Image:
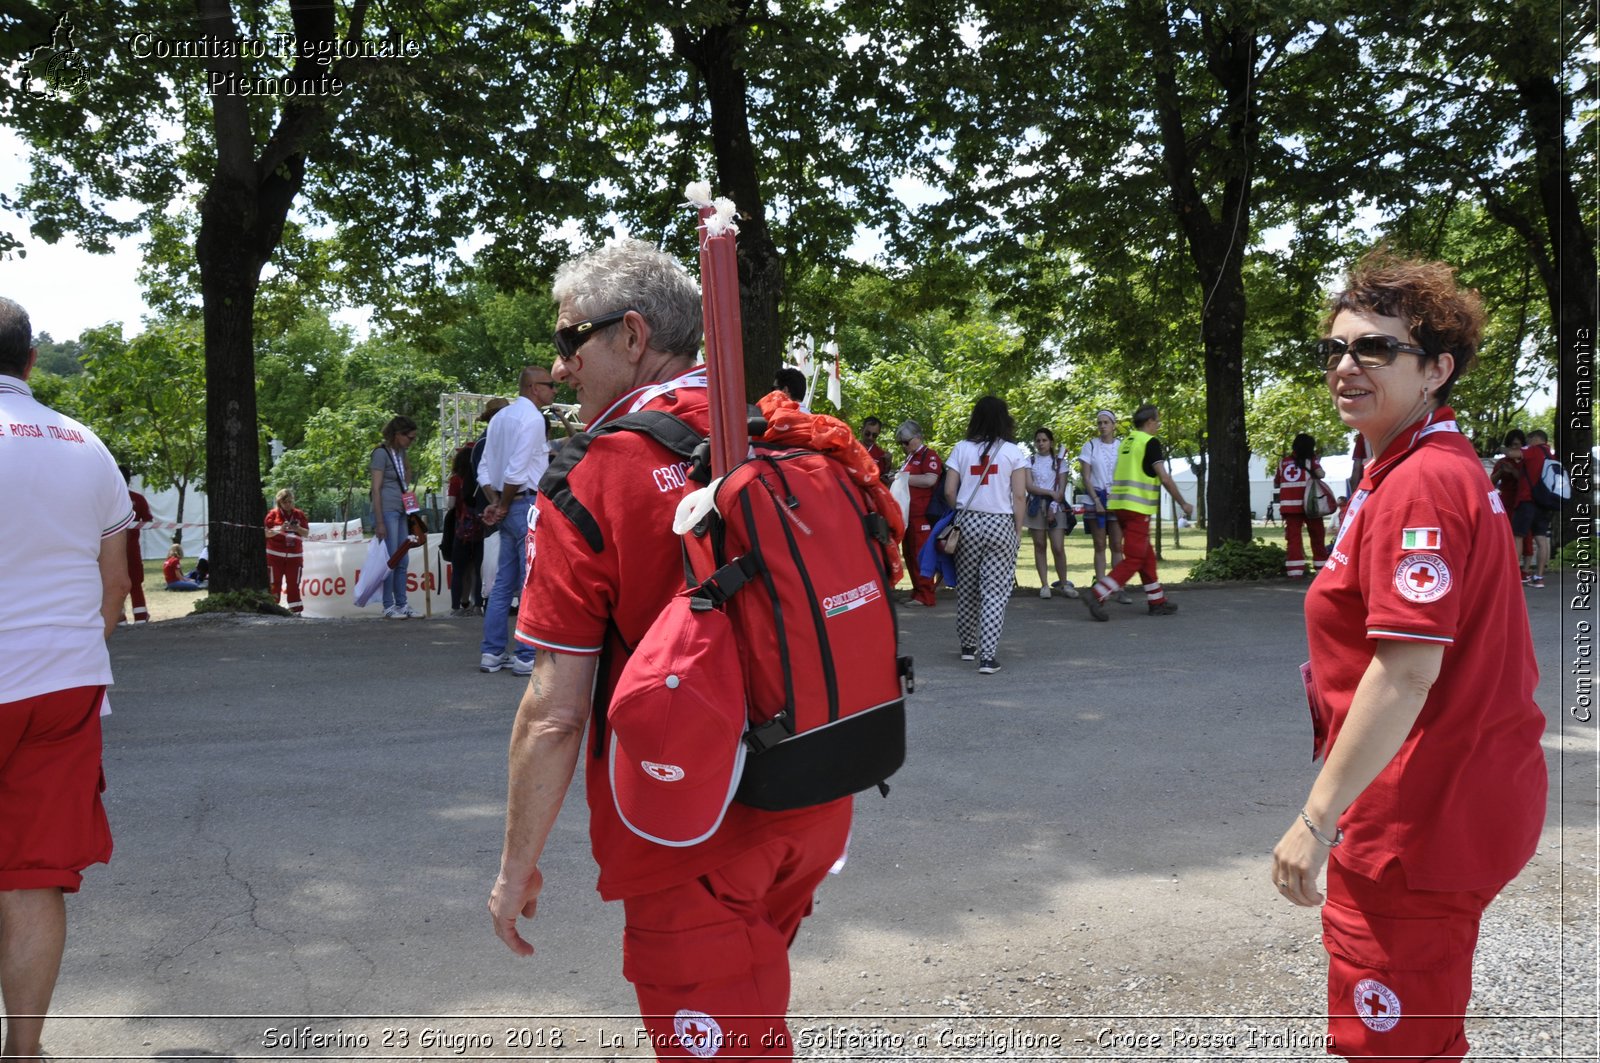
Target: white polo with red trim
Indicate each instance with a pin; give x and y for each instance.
(63, 495)
(1425, 555)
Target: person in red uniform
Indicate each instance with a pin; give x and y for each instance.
(871, 428)
(286, 528)
(142, 517)
(1297, 472)
(1506, 475)
(923, 471)
(707, 925)
(1530, 519)
(1432, 791)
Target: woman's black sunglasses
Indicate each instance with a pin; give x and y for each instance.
(575, 335)
(1370, 352)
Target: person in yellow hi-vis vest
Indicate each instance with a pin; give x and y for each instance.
(1135, 493)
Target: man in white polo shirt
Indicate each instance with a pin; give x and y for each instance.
(61, 588)
(515, 455)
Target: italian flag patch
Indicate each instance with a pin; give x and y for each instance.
(1419, 539)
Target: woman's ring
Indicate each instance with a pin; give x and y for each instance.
(1283, 885)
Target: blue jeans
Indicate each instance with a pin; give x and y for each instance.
(394, 584)
(509, 572)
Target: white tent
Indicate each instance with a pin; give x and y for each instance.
(157, 538)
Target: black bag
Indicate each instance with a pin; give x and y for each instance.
(447, 538)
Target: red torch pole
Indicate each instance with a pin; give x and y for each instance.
(719, 303)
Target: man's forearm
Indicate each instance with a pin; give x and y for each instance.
(546, 741)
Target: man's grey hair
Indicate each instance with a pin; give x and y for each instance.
(1145, 414)
(16, 337)
(632, 273)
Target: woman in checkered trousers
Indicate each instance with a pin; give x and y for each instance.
(1432, 791)
(990, 496)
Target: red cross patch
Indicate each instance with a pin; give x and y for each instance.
(984, 472)
(1422, 577)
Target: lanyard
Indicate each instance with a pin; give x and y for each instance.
(399, 470)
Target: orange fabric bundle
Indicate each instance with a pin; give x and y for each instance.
(788, 424)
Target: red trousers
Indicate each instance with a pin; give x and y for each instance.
(1399, 965)
(1294, 564)
(1138, 558)
(709, 959)
(281, 571)
(918, 528)
(136, 575)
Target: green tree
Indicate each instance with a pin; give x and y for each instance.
(144, 397)
(390, 145)
(331, 461)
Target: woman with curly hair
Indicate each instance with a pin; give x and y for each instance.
(1432, 791)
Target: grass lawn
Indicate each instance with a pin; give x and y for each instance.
(1173, 562)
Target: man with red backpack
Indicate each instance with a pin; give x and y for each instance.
(709, 918)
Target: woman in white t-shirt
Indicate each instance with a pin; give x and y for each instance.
(1097, 466)
(988, 494)
(1049, 476)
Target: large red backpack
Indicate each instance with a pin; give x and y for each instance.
(800, 560)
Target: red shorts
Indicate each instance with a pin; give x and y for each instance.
(52, 824)
(1399, 965)
(709, 959)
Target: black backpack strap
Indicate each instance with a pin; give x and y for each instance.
(671, 432)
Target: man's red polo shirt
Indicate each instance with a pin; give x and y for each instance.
(583, 602)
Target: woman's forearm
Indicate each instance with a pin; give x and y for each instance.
(1387, 702)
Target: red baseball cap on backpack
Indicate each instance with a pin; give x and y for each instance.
(677, 722)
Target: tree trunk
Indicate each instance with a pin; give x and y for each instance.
(228, 281)
(714, 55)
(241, 221)
(1217, 243)
(1572, 293)
(177, 533)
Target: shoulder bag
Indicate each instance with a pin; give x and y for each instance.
(950, 538)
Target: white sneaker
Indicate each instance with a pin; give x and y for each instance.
(491, 662)
(393, 613)
(522, 667)
(408, 613)
(1044, 592)
(1069, 590)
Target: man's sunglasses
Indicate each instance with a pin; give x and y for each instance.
(575, 335)
(1370, 352)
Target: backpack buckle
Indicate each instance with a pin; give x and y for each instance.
(908, 673)
(763, 737)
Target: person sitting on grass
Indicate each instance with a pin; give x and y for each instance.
(172, 569)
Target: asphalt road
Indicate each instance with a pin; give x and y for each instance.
(1072, 864)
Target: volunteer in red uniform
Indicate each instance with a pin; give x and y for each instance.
(1298, 471)
(62, 582)
(708, 924)
(1432, 792)
(1529, 519)
(141, 517)
(923, 470)
(871, 428)
(286, 527)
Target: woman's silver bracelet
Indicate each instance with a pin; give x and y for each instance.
(1333, 842)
